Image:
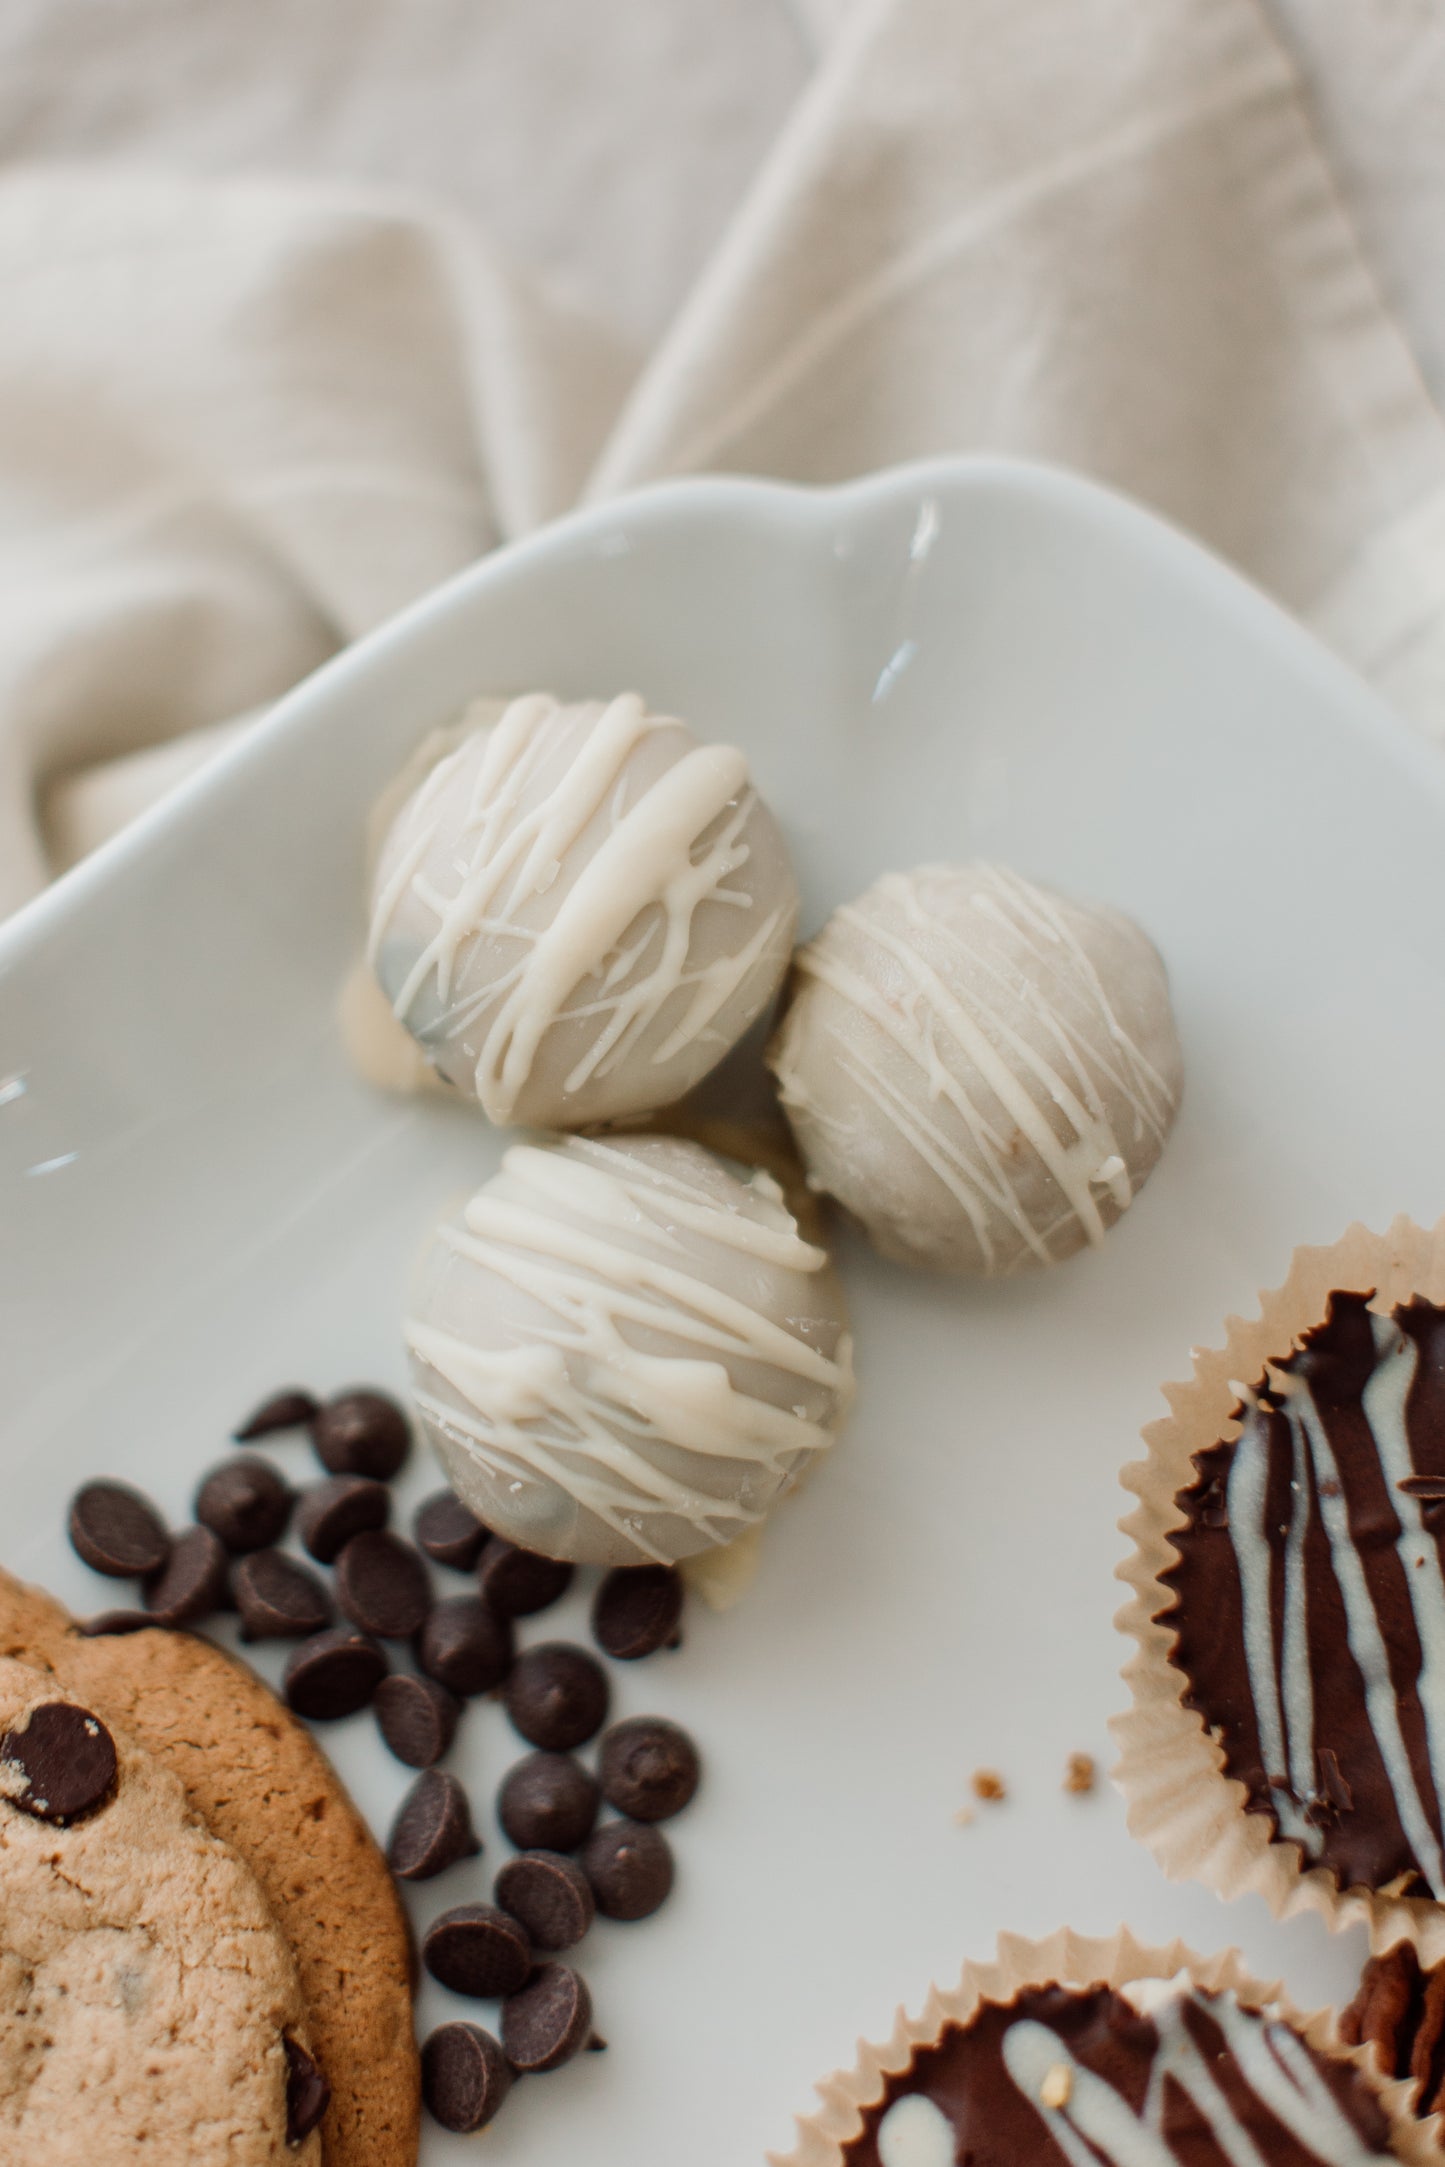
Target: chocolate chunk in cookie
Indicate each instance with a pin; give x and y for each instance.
(64, 1760)
(308, 2095)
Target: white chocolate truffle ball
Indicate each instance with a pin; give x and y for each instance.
(980, 1069)
(580, 910)
(622, 1351)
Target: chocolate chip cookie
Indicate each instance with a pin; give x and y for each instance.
(257, 1779)
(151, 2005)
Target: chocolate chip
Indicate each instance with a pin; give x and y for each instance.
(448, 1532)
(548, 1802)
(517, 1583)
(549, 1895)
(417, 1718)
(548, 2022)
(192, 1582)
(637, 1610)
(246, 1503)
(465, 1646)
(557, 1696)
(649, 1768)
(629, 1867)
(464, 2077)
(308, 2095)
(476, 1950)
(67, 1759)
(432, 1829)
(333, 1674)
(1431, 1487)
(113, 1622)
(382, 1585)
(361, 1433)
(289, 1410)
(332, 1512)
(278, 1599)
(117, 1531)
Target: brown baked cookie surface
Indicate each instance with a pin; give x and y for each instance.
(150, 2008)
(258, 1781)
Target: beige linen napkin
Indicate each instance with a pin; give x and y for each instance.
(241, 422)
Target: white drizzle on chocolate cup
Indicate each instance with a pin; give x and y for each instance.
(981, 1070)
(624, 1352)
(580, 909)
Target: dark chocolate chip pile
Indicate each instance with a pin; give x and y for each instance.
(569, 1869)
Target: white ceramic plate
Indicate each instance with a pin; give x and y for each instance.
(199, 1201)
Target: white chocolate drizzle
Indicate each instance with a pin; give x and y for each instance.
(1285, 1721)
(619, 947)
(623, 1257)
(1096, 2123)
(972, 1059)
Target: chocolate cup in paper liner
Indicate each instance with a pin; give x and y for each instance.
(1180, 1801)
(1077, 1960)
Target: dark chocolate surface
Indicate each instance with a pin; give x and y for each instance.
(998, 2123)
(1400, 2012)
(1328, 1448)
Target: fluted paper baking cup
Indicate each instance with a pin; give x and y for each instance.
(1180, 1801)
(1070, 1959)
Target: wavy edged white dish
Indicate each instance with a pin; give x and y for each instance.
(199, 1200)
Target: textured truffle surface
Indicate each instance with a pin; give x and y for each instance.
(981, 1070)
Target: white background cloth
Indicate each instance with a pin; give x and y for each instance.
(308, 301)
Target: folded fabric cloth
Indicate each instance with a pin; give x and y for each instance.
(241, 422)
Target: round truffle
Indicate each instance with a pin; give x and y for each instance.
(981, 1070)
(580, 910)
(624, 1351)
